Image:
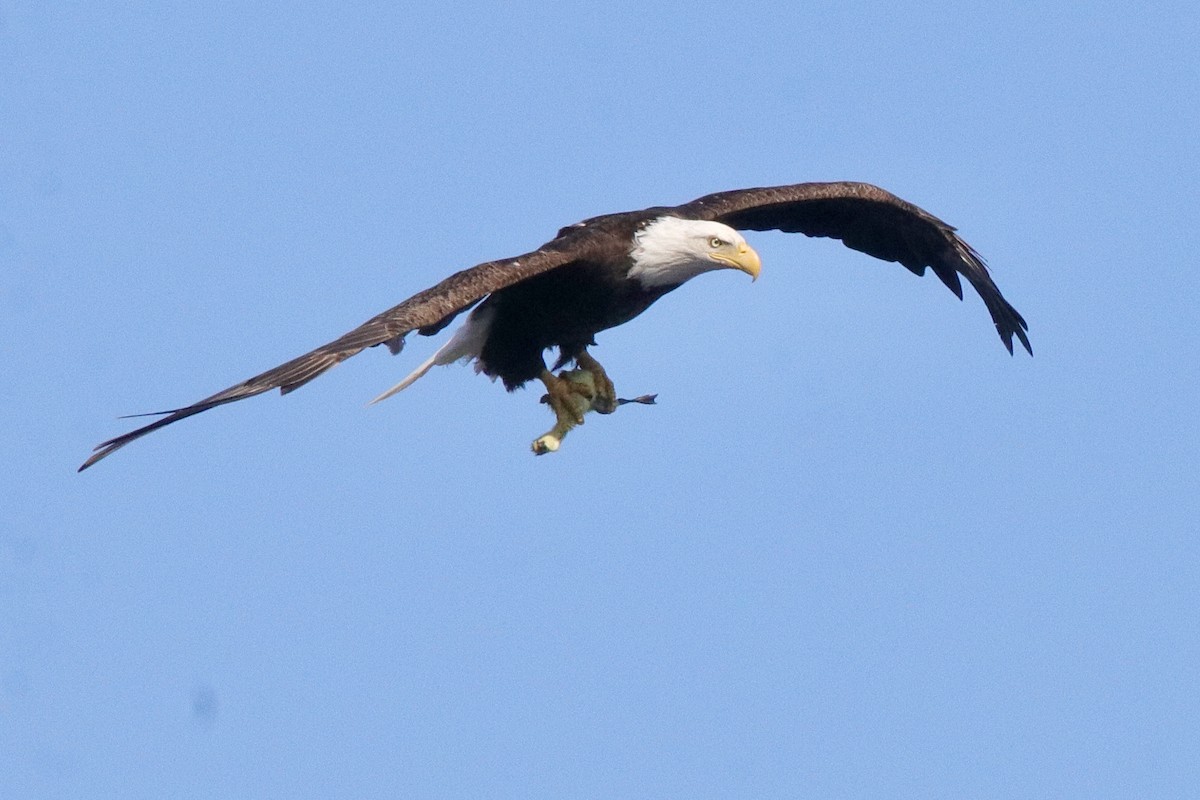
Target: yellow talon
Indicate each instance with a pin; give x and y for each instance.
(605, 401)
(573, 393)
(570, 396)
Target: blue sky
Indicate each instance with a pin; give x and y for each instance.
(856, 550)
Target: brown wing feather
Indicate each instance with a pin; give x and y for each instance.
(870, 220)
(422, 310)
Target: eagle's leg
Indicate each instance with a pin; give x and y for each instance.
(570, 400)
(606, 394)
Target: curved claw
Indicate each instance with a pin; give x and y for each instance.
(571, 394)
(605, 401)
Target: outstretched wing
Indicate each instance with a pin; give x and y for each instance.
(870, 220)
(427, 311)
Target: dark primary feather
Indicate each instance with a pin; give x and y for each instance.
(873, 221)
(863, 217)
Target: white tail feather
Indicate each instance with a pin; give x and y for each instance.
(409, 381)
(466, 343)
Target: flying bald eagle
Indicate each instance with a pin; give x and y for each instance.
(606, 270)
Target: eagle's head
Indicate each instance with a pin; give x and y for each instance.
(669, 250)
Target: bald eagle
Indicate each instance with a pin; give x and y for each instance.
(603, 272)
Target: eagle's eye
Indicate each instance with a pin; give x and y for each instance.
(716, 242)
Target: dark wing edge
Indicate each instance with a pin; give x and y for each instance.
(870, 220)
(427, 311)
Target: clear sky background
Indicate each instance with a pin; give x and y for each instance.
(856, 551)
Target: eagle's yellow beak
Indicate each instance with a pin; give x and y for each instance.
(741, 257)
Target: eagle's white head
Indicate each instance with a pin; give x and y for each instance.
(670, 250)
